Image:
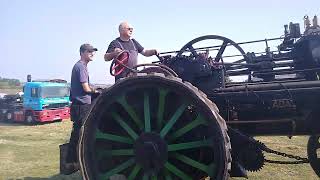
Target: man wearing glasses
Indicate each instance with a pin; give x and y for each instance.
(80, 96)
(125, 42)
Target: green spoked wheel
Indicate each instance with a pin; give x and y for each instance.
(313, 148)
(154, 127)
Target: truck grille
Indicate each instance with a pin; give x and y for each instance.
(56, 106)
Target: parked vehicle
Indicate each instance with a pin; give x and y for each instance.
(42, 101)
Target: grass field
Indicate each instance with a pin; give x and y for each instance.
(32, 153)
(10, 91)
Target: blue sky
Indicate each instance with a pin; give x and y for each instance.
(42, 38)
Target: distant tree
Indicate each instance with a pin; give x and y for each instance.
(9, 83)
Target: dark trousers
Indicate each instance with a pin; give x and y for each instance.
(78, 114)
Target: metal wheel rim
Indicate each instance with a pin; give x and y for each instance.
(29, 119)
(133, 170)
(9, 116)
(312, 147)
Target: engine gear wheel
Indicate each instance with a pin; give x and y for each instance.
(251, 157)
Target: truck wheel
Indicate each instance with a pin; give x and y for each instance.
(29, 119)
(1, 116)
(9, 116)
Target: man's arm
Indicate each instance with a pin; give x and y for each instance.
(87, 88)
(84, 79)
(149, 52)
(143, 51)
(111, 55)
(112, 51)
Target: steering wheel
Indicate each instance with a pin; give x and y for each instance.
(119, 63)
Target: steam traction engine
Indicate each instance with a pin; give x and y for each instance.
(193, 115)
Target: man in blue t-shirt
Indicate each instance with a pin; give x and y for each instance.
(80, 96)
(125, 42)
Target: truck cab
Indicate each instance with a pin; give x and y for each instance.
(46, 101)
(39, 101)
(40, 96)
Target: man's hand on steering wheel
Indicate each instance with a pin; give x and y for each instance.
(117, 51)
(156, 53)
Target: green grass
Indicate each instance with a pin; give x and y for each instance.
(32, 153)
(296, 146)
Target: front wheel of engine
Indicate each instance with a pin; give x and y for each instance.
(314, 153)
(154, 127)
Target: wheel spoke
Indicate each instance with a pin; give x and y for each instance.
(221, 50)
(198, 121)
(188, 145)
(191, 162)
(122, 100)
(167, 175)
(125, 126)
(112, 137)
(145, 177)
(173, 120)
(177, 171)
(117, 169)
(134, 172)
(192, 50)
(162, 94)
(117, 152)
(147, 125)
(122, 152)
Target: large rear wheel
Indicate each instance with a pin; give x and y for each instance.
(313, 149)
(154, 127)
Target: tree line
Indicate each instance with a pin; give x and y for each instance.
(9, 83)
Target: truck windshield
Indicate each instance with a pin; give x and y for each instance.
(54, 92)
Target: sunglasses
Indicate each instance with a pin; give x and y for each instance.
(90, 51)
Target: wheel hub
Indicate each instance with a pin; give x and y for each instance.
(151, 152)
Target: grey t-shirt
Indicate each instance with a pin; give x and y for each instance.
(79, 75)
(127, 45)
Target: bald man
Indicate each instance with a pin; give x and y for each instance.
(125, 42)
